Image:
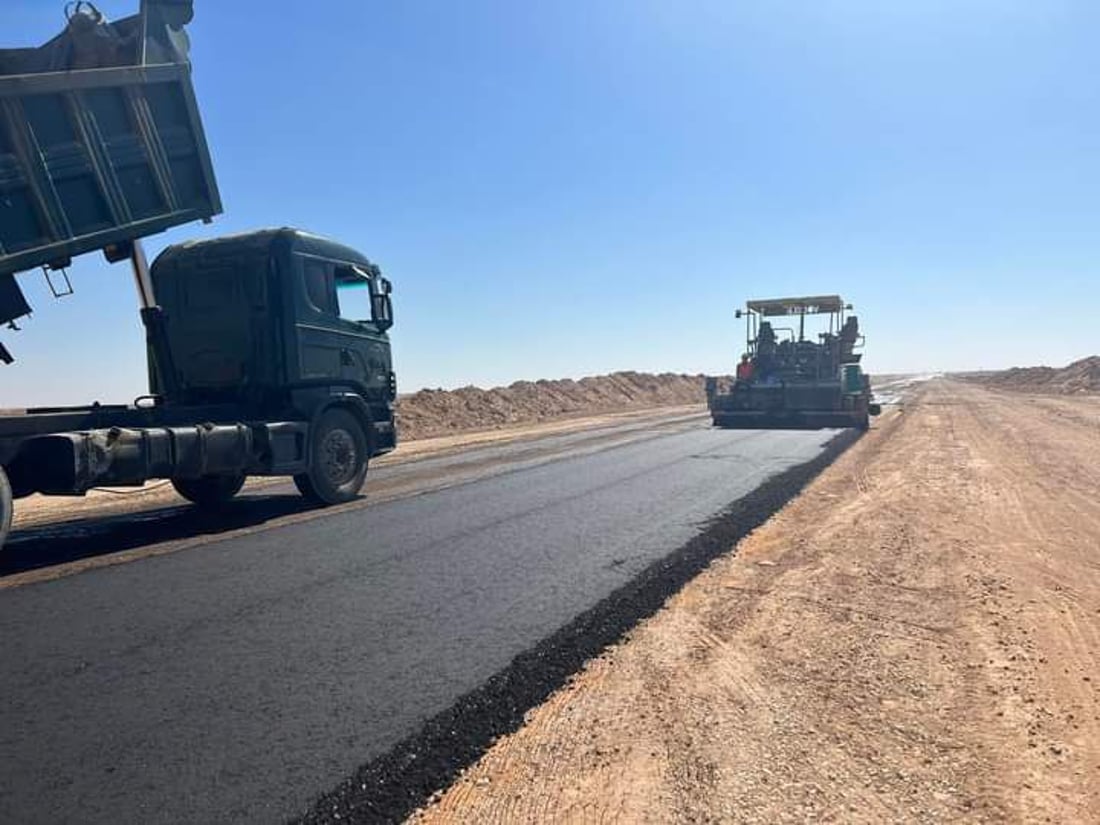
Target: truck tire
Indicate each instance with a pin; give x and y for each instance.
(337, 459)
(209, 491)
(6, 506)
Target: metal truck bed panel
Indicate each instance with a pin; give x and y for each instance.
(97, 157)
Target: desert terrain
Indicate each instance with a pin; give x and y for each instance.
(913, 639)
(1080, 377)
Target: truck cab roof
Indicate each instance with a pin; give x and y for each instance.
(280, 240)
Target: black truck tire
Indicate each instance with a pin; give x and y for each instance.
(6, 506)
(337, 459)
(209, 491)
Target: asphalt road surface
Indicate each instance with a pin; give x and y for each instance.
(235, 671)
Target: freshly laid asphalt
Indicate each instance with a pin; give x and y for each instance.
(241, 678)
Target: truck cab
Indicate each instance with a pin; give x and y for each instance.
(277, 319)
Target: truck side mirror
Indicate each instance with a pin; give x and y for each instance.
(381, 305)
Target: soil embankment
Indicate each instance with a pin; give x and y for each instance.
(429, 413)
(916, 638)
(1080, 377)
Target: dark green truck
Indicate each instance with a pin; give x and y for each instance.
(268, 351)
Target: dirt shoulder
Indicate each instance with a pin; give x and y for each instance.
(915, 638)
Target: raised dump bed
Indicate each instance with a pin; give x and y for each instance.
(97, 157)
(97, 154)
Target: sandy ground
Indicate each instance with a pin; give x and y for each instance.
(37, 509)
(914, 639)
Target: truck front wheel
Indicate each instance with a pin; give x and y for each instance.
(337, 460)
(6, 507)
(209, 491)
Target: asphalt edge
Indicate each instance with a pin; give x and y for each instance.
(392, 786)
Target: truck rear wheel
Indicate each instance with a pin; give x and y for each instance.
(6, 506)
(209, 491)
(337, 460)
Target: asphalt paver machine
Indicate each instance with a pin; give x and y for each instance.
(801, 368)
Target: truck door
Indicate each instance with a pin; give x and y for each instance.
(366, 356)
(336, 337)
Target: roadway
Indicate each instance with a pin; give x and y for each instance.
(161, 667)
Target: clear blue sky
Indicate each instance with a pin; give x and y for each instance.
(576, 186)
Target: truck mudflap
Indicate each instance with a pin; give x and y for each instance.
(74, 462)
(385, 437)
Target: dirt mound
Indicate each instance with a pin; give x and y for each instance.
(441, 412)
(1079, 377)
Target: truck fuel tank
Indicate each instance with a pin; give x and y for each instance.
(74, 462)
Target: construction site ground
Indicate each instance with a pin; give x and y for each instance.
(915, 638)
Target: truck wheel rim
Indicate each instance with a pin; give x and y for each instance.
(339, 457)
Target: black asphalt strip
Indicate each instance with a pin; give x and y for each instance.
(390, 787)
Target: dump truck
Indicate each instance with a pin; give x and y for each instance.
(268, 351)
(793, 378)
